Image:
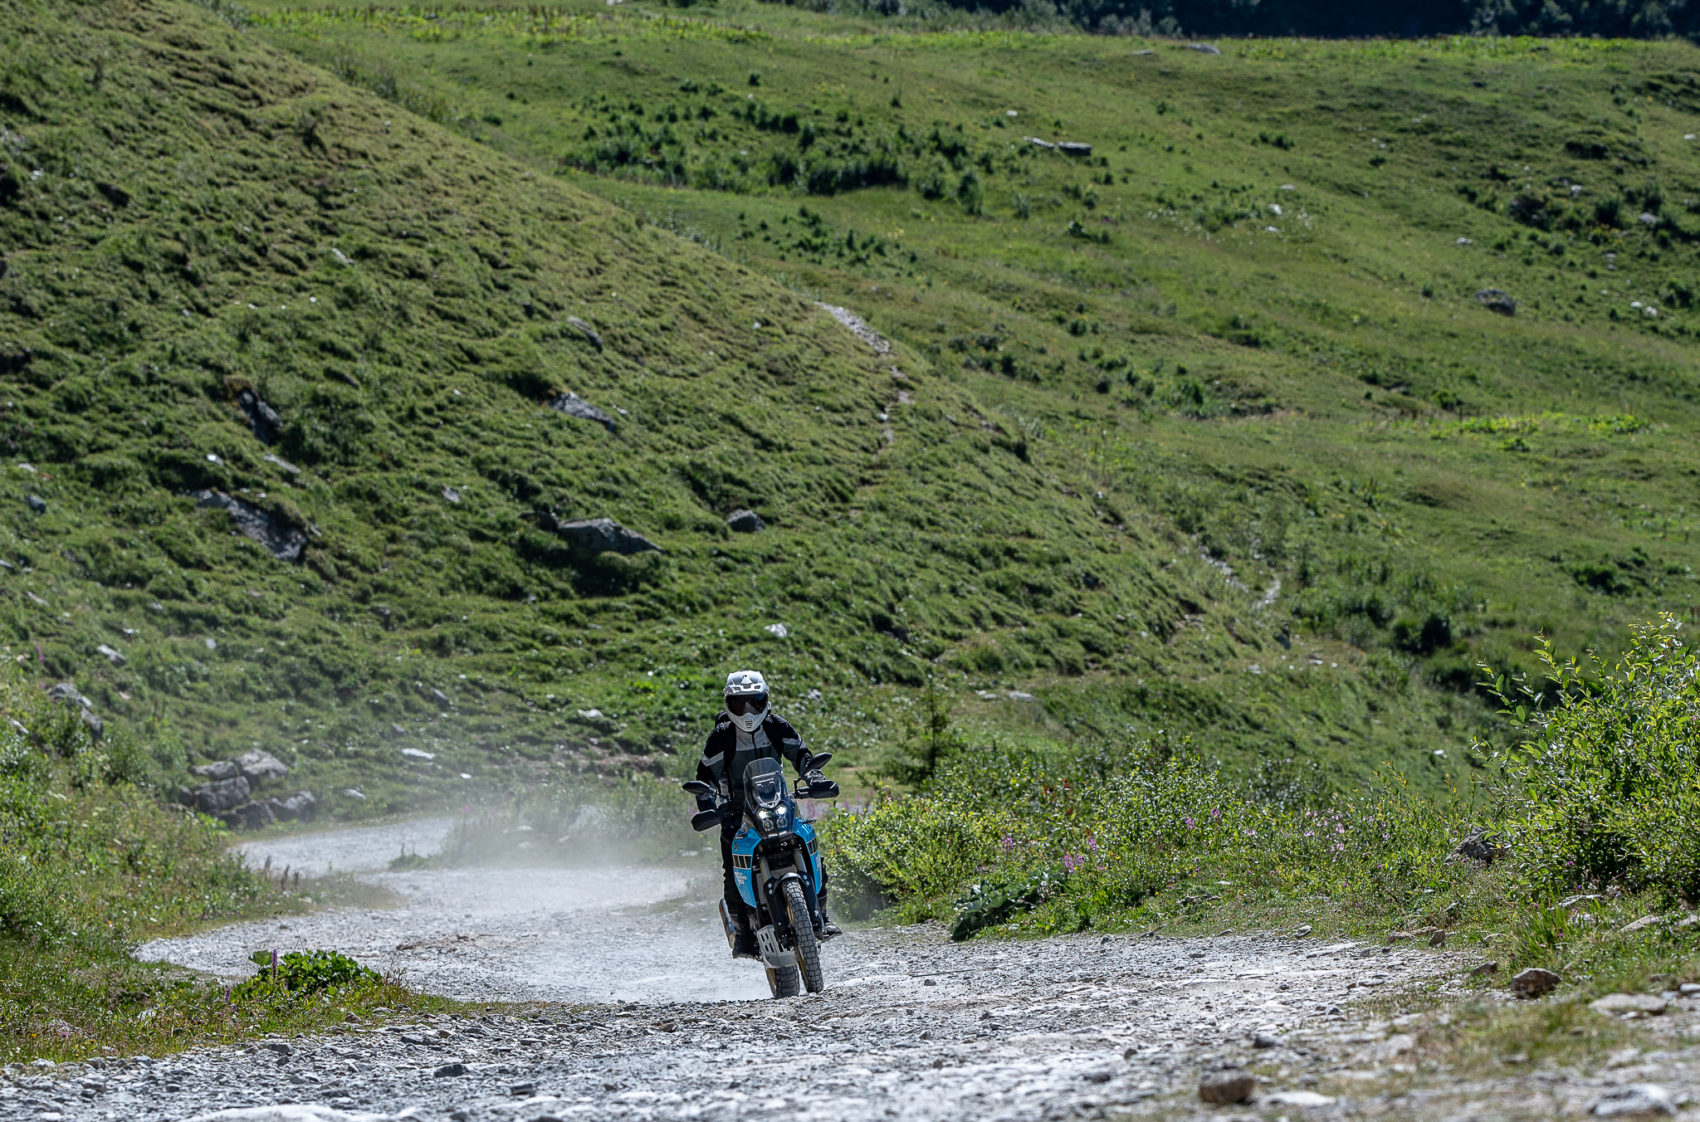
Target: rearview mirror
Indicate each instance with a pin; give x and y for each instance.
(820, 760)
(696, 787)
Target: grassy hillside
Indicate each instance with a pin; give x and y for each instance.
(1145, 446)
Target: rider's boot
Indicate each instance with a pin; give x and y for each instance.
(738, 923)
(827, 929)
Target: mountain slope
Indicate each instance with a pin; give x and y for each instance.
(197, 225)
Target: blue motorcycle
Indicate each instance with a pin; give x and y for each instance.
(776, 865)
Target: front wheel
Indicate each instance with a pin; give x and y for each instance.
(783, 981)
(803, 929)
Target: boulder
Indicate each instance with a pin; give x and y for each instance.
(1617, 1004)
(1638, 1100)
(598, 535)
(745, 522)
(66, 694)
(258, 767)
(1480, 846)
(262, 418)
(583, 328)
(223, 769)
(36, 503)
(282, 539)
(1497, 300)
(1227, 1085)
(1534, 982)
(299, 806)
(247, 816)
(1641, 924)
(110, 655)
(220, 795)
(575, 406)
(1204, 48)
(1073, 148)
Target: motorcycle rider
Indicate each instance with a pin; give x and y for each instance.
(747, 729)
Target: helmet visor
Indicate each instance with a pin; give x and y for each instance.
(745, 704)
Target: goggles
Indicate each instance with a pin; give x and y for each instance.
(744, 704)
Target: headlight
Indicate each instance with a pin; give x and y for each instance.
(765, 819)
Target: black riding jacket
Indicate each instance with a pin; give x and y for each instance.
(730, 749)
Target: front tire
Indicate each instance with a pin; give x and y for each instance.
(803, 930)
(783, 981)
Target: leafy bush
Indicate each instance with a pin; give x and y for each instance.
(1605, 772)
(301, 974)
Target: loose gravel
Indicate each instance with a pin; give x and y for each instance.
(911, 1027)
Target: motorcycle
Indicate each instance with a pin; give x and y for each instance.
(777, 867)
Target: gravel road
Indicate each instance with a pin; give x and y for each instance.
(636, 1012)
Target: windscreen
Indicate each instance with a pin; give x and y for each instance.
(764, 784)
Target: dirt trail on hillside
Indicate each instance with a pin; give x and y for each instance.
(640, 1014)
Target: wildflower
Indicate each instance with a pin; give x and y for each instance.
(1310, 833)
(1188, 821)
(1339, 829)
(1215, 813)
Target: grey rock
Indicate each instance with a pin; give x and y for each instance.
(1265, 1040)
(441, 698)
(1481, 846)
(297, 807)
(282, 1048)
(1146, 53)
(1204, 48)
(259, 767)
(1641, 924)
(220, 795)
(746, 522)
(66, 694)
(248, 816)
(110, 655)
(278, 461)
(282, 539)
(590, 334)
(522, 1090)
(36, 503)
(1638, 1100)
(262, 418)
(598, 535)
(1497, 300)
(1484, 969)
(1570, 902)
(222, 769)
(1617, 1004)
(450, 1070)
(1227, 1085)
(1647, 218)
(1302, 930)
(1534, 982)
(575, 406)
(1689, 989)
(1073, 148)
(451, 495)
(1296, 1098)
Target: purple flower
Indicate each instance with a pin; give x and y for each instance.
(1188, 821)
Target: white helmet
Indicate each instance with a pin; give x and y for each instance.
(746, 698)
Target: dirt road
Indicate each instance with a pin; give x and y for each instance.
(641, 1015)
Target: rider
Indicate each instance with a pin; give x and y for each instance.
(748, 730)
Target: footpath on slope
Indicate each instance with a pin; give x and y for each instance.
(632, 1010)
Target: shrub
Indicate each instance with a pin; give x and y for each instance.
(1605, 774)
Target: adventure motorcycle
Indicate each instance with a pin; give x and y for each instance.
(776, 864)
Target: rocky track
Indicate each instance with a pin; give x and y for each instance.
(911, 1027)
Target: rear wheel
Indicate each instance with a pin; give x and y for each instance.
(803, 928)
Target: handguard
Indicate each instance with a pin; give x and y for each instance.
(705, 819)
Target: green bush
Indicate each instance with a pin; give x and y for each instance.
(1605, 772)
(302, 974)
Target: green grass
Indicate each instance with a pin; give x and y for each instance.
(1326, 405)
(1116, 380)
(92, 864)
